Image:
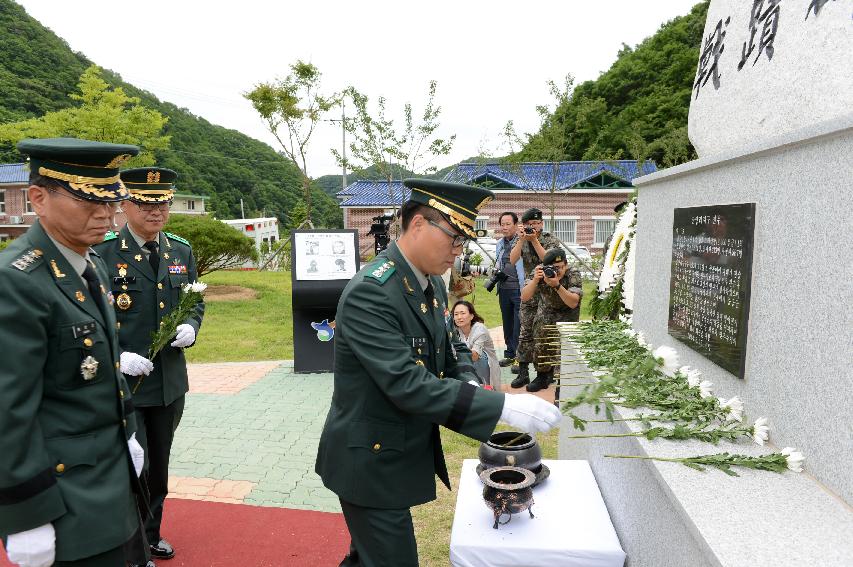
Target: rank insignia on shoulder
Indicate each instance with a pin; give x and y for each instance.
(29, 260)
(382, 272)
(110, 236)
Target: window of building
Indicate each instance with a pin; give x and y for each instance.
(28, 207)
(603, 229)
(482, 223)
(2, 201)
(190, 205)
(563, 228)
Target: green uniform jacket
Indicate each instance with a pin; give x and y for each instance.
(394, 370)
(142, 300)
(63, 448)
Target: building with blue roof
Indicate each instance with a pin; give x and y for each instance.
(577, 197)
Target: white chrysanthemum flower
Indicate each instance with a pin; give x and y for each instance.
(693, 375)
(628, 278)
(641, 338)
(625, 318)
(630, 332)
(197, 287)
(795, 459)
(667, 358)
(735, 407)
(760, 430)
(617, 244)
(706, 389)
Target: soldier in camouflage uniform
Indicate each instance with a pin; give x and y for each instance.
(531, 248)
(557, 298)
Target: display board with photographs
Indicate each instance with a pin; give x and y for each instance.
(319, 255)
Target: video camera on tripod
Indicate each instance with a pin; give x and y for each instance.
(379, 230)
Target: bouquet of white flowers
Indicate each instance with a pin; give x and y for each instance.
(191, 295)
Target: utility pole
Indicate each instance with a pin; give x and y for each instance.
(242, 214)
(344, 143)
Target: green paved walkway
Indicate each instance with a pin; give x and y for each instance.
(256, 445)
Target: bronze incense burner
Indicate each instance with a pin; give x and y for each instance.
(508, 491)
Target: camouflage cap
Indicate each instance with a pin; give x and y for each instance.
(86, 169)
(554, 255)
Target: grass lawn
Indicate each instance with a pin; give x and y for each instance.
(261, 329)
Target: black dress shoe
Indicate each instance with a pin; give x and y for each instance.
(149, 564)
(163, 550)
(506, 361)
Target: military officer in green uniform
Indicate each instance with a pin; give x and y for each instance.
(557, 295)
(69, 459)
(531, 246)
(399, 375)
(147, 268)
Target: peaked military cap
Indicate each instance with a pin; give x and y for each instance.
(554, 255)
(85, 168)
(531, 214)
(150, 184)
(459, 203)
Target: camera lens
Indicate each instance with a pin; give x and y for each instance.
(528, 230)
(549, 271)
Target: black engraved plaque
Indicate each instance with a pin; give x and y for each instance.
(710, 282)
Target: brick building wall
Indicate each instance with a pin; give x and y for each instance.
(584, 206)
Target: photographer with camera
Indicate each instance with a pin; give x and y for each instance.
(379, 230)
(509, 279)
(557, 287)
(531, 247)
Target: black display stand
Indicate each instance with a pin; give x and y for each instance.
(322, 264)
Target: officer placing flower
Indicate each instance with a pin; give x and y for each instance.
(399, 375)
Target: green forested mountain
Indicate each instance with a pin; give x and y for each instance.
(38, 71)
(638, 108)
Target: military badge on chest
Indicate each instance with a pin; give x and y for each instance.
(89, 368)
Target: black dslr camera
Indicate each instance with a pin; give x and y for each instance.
(529, 230)
(379, 230)
(549, 270)
(497, 277)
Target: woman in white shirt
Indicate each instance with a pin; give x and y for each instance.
(471, 329)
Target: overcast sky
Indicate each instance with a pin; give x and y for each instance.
(491, 59)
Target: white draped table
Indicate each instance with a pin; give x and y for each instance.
(571, 527)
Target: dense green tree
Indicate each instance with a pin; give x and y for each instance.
(638, 108)
(216, 245)
(105, 114)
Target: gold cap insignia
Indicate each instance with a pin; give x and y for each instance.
(118, 160)
(153, 177)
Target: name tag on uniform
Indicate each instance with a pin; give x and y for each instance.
(124, 280)
(418, 342)
(83, 329)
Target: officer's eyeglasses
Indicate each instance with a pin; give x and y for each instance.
(151, 207)
(86, 203)
(458, 239)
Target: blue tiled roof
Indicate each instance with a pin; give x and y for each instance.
(538, 176)
(14, 173)
(374, 194)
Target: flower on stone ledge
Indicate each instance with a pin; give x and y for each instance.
(667, 358)
(760, 430)
(641, 338)
(795, 459)
(694, 376)
(735, 407)
(630, 332)
(706, 389)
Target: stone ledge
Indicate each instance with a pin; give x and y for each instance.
(759, 518)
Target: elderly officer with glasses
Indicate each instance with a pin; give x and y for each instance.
(147, 269)
(69, 459)
(399, 374)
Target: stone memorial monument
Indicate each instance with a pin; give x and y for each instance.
(743, 268)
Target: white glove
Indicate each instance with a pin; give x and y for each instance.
(529, 413)
(474, 383)
(134, 365)
(33, 548)
(185, 336)
(137, 454)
